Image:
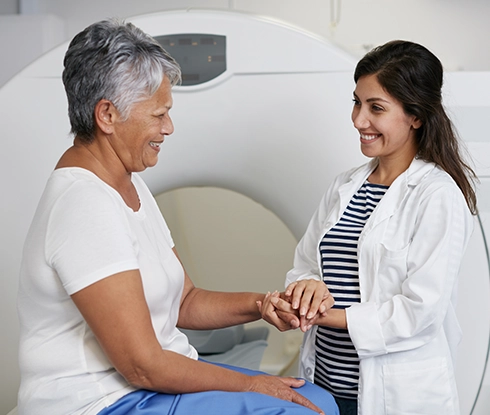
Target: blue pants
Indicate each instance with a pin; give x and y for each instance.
(143, 402)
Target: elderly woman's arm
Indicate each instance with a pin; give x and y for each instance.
(205, 310)
(116, 311)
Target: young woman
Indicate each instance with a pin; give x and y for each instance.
(387, 240)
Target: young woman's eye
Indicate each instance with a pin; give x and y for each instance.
(356, 101)
(377, 108)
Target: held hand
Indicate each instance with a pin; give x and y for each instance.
(283, 320)
(281, 387)
(309, 297)
(283, 309)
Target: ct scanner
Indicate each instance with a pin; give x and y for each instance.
(265, 111)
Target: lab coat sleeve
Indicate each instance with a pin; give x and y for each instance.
(414, 315)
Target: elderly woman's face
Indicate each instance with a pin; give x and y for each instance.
(137, 140)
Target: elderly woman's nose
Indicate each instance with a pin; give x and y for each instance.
(168, 126)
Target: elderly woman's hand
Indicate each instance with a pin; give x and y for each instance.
(281, 387)
(283, 319)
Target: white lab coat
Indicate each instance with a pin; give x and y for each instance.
(405, 328)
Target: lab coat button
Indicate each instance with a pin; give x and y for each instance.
(309, 371)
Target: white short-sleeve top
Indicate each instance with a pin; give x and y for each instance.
(81, 233)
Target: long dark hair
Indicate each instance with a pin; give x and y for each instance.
(413, 75)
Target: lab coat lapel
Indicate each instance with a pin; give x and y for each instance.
(373, 230)
(399, 189)
(390, 202)
(347, 190)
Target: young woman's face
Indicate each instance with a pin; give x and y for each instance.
(386, 131)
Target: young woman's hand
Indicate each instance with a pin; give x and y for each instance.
(311, 299)
(300, 306)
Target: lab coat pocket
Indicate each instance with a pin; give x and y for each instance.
(418, 388)
(392, 270)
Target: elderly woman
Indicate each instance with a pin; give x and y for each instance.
(102, 289)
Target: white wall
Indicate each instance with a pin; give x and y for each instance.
(25, 37)
(454, 29)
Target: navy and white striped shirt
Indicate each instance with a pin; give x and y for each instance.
(337, 362)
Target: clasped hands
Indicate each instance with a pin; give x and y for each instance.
(300, 306)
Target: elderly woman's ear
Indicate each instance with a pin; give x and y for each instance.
(105, 115)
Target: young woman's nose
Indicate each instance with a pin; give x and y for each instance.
(359, 119)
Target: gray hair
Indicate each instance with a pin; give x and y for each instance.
(112, 60)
